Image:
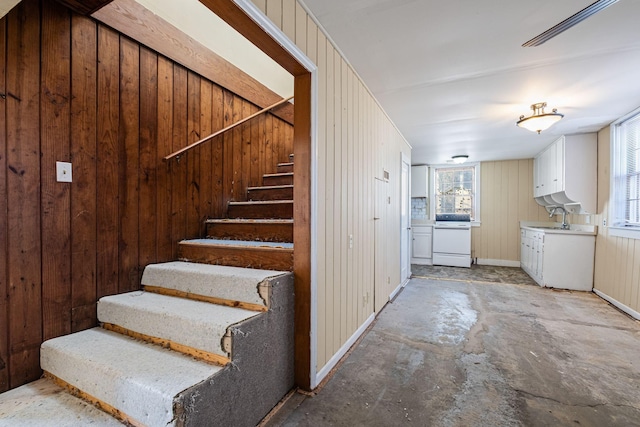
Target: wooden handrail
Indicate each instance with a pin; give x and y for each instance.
(221, 131)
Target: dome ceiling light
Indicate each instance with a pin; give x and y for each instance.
(460, 158)
(539, 120)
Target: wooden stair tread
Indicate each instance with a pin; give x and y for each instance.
(277, 174)
(248, 221)
(239, 243)
(261, 202)
(271, 187)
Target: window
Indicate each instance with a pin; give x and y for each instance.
(625, 181)
(456, 190)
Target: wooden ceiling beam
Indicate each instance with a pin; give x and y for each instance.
(85, 7)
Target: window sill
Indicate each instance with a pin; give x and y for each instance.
(626, 232)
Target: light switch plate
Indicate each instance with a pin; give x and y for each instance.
(63, 172)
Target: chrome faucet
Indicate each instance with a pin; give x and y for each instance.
(564, 225)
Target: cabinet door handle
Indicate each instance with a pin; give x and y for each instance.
(556, 179)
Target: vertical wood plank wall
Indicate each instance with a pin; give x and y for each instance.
(77, 91)
(617, 265)
(356, 143)
(506, 198)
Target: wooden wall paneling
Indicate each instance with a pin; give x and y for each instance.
(85, 7)
(227, 151)
(301, 27)
(262, 5)
(23, 191)
(321, 208)
(4, 288)
(635, 278)
(245, 151)
(129, 162)
(268, 142)
(513, 230)
(344, 211)
(274, 12)
(149, 160)
(139, 23)
(261, 139)
(179, 167)
(337, 208)
(56, 199)
(236, 147)
(330, 284)
(351, 195)
(288, 18)
(254, 137)
(193, 215)
(207, 166)
(505, 224)
(165, 170)
(108, 118)
(217, 145)
(276, 143)
(83, 188)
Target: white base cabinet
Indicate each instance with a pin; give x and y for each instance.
(422, 244)
(558, 260)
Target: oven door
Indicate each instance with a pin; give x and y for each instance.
(452, 240)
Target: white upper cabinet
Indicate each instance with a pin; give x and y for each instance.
(565, 173)
(419, 178)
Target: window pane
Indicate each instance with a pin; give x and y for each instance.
(455, 190)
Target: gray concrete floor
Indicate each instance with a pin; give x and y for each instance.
(464, 353)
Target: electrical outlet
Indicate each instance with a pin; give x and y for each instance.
(63, 172)
(588, 219)
(604, 222)
(350, 241)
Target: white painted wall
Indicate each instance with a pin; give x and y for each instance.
(199, 23)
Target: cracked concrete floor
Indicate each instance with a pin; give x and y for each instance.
(455, 353)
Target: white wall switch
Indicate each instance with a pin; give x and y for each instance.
(63, 172)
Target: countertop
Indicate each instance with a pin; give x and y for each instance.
(554, 228)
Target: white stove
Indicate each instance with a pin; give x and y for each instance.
(452, 240)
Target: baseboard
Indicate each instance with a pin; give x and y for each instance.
(398, 289)
(498, 262)
(422, 261)
(343, 350)
(631, 312)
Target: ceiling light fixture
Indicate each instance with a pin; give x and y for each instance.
(539, 120)
(460, 158)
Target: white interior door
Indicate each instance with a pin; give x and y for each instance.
(380, 294)
(405, 224)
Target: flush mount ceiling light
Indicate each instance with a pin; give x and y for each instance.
(460, 158)
(539, 120)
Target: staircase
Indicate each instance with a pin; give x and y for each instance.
(207, 341)
(257, 233)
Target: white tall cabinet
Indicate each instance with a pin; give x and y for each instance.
(419, 180)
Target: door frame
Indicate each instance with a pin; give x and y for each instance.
(404, 159)
(249, 21)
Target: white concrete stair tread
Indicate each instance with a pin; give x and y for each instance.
(137, 378)
(195, 324)
(44, 404)
(246, 243)
(216, 281)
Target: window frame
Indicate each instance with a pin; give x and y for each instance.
(432, 189)
(617, 197)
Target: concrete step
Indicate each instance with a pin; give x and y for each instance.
(271, 209)
(285, 167)
(193, 327)
(272, 192)
(42, 403)
(235, 286)
(141, 381)
(285, 178)
(238, 253)
(263, 230)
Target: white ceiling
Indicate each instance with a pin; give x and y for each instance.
(454, 78)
